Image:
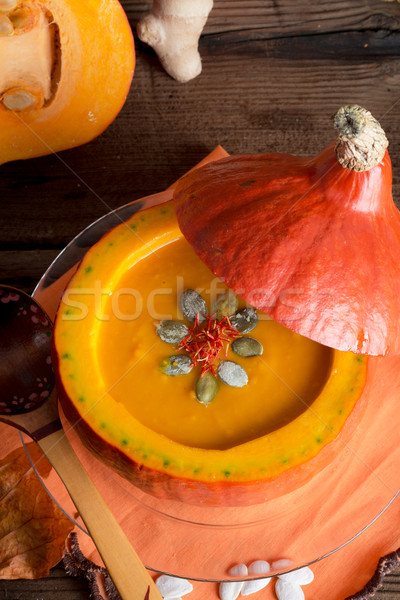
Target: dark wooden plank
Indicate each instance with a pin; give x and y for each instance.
(355, 46)
(261, 103)
(271, 78)
(23, 269)
(282, 17)
(55, 587)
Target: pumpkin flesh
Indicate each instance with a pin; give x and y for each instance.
(248, 445)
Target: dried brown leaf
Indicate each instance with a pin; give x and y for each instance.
(32, 528)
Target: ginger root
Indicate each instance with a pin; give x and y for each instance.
(173, 29)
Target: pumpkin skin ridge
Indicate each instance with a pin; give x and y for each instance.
(198, 194)
(165, 484)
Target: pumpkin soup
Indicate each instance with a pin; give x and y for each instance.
(260, 435)
(282, 382)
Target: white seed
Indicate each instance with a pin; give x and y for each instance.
(288, 591)
(230, 590)
(258, 567)
(301, 576)
(283, 563)
(171, 588)
(250, 587)
(238, 570)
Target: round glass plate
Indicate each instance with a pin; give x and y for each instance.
(202, 543)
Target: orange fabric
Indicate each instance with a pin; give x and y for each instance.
(302, 526)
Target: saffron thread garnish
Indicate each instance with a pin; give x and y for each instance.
(207, 339)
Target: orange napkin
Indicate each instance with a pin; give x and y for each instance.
(303, 526)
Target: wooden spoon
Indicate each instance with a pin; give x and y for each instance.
(28, 401)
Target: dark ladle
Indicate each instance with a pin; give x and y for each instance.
(29, 402)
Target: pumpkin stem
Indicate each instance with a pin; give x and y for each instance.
(6, 27)
(7, 5)
(27, 55)
(18, 99)
(362, 142)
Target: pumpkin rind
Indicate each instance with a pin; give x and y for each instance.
(245, 474)
(313, 244)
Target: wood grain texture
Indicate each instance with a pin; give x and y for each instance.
(23, 269)
(55, 587)
(272, 77)
(274, 72)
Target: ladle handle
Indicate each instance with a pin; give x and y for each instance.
(128, 573)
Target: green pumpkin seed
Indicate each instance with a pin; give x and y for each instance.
(232, 374)
(192, 304)
(245, 320)
(247, 346)
(206, 388)
(172, 332)
(176, 365)
(225, 305)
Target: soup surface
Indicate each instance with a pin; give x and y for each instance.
(283, 381)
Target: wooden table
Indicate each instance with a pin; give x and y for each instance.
(274, 72)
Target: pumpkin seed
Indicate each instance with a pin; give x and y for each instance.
(282, 563)
(192, 304)
(257, 567)
(302, 576)
(288, 591)
(232, 374)
(172, 332)
(177, 365)
(225, 305)
(172, 587)
(245, 320)
(230, 590)
(247, 346)
(206, 388)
